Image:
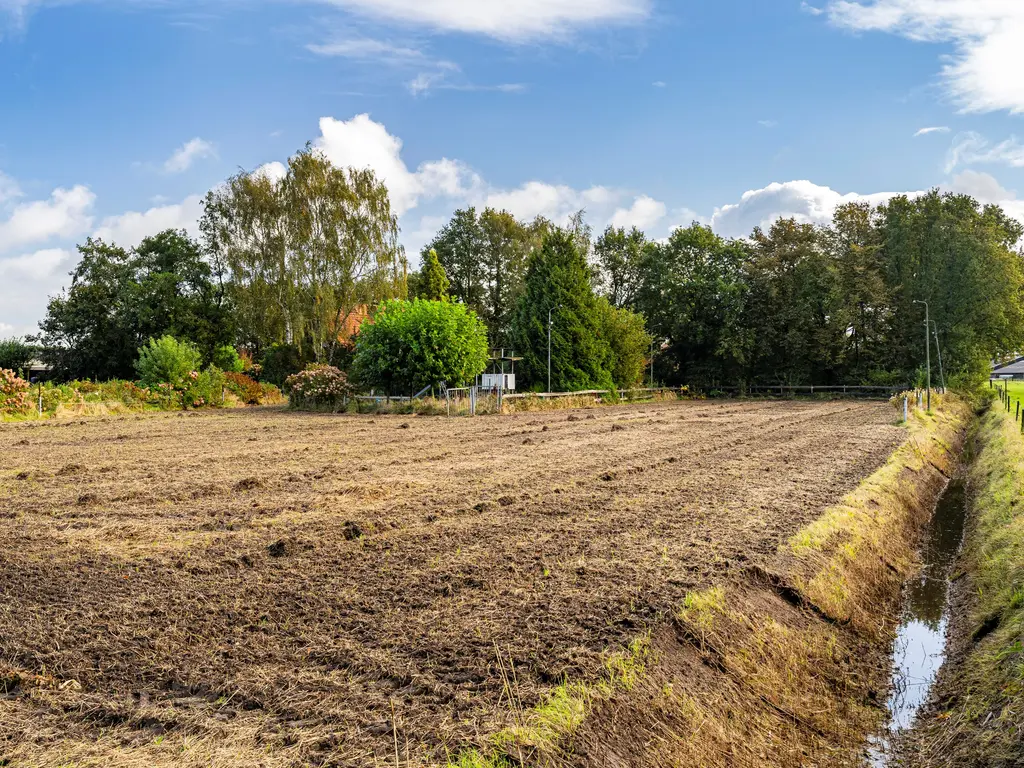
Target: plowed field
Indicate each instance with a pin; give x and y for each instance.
(263, 588)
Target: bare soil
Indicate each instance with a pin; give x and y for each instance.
(265, 588)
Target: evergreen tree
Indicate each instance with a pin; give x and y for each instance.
(433, 280)
(558, 279)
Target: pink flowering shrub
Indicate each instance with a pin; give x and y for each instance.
(318, 387)
(14, 397)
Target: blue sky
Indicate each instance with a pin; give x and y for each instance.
(116, 116)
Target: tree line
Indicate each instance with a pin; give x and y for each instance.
(283, 263)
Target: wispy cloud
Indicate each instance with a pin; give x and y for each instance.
(934, 129)
(514, 22)
(659, 84)
(187, 154)
(974, 149)
(811, 9)
(367, 49)
(986, 35)
(768, 123)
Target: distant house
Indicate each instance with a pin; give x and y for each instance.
(349, 325)
(1012, 369)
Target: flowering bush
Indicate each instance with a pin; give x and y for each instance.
(203, 389)
(317, 387)
(14, 397)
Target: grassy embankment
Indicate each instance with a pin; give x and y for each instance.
(785, 663)
(980, 720)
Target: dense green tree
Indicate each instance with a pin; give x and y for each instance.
(434, 283)
(460, 249)
(119, 298)
(304, 250)
(628, 341)
(559, 279)
(16, 354)
(619, 256)
(485, 259)
(693, 291)
(415, 344)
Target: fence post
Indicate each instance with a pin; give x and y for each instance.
(906, 409)
(472, 401)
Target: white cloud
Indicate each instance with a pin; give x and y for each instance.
(35, 266)
(275, 171)
(643, 214)
(804, 201)
(129, 229)
(9, 189)
(65, 214)
(972, 148)
(811, 9)
(768, 123)
(987, 34)
(370, 50)
(187, 154)
(519, 21)
(935, 129)
(363, 143)
(659, 84)
(981, 186)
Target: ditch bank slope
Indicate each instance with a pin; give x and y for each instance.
(784, 662)
(977, 713)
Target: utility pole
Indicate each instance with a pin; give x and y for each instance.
(938, 348)
(928, 348)
(652, 363)
(550, 321)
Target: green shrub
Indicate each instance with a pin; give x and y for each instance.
(167, 361)
(228, 360)
(204, 389)
(414, 344)
(14, 399)
(318, 387)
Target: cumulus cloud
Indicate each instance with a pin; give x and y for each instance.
(187, 154)
(67, 213)
(129, 229)
(35, 266)
(363, 143)
(643, 214)
(986, 35)
(9, 189)
(983, 187)
(804, 201)
(25, 283)
(518, 22)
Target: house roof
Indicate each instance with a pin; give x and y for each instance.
(1011, 368)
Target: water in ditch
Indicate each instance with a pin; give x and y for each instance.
(920, 645)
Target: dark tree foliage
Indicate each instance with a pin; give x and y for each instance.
(558, 277)
(799, 304)
(15, 354)
(119, 299)
(484, 257)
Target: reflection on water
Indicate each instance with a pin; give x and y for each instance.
(921, 641)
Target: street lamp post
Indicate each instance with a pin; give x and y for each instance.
(550, 321)
(652, 363)
(928, 348)
(938, 348)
